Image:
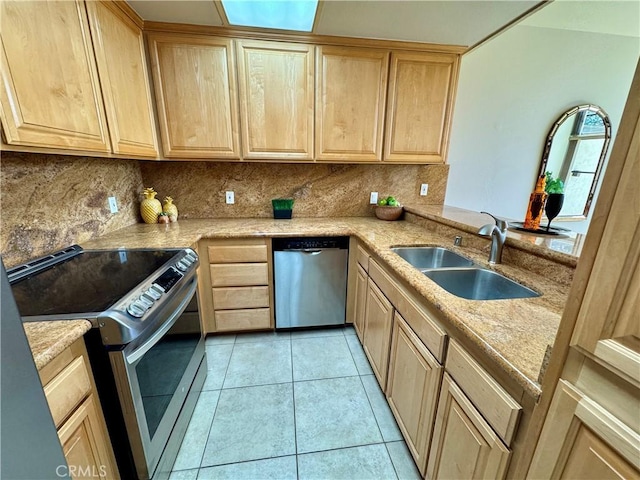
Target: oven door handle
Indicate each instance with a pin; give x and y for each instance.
(139, 352)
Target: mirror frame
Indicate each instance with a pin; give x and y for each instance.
(605, 147)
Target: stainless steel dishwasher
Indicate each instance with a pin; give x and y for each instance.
(310, 281)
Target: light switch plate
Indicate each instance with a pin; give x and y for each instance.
(113, 205)
(373, 199)
(424, 188)
(230, 197)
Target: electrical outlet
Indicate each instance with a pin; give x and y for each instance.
(373, 199)
(424, 188)
(230, 197)
(113, 205)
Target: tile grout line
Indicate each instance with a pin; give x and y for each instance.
(375, 417)
(295, 426)
(391, 460)
(291, 455)
(213, 417)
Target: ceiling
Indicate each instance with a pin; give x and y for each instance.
(451, 22)
(611, 17)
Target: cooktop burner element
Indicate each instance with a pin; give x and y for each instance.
(119, 291)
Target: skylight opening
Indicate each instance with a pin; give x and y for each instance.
(279, 14)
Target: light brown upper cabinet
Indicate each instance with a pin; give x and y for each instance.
(419, 106)
(195, 87)
(350, 100)
(119, 49)
(276, 97)
(50, 95)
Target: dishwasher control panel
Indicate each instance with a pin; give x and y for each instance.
(306, 243)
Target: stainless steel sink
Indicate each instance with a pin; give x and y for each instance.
(479, 284)
(432, 257)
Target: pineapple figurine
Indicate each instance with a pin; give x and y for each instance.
(170, 208)
(150, 206)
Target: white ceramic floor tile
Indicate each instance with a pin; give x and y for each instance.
(384, 417)
(322, 332)
(403, 461)
(333, 413)
(262, 337)
(359, 357)
(217, 362)
(261, 363)
(369, 462)
(184, 475)
(252, 423)
(280, 468)
(222, 339)
(321, 357)
(195, 439)
(349, 330)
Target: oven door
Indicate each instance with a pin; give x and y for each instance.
(153, 379)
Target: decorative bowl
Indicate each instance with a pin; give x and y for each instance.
(388, 213)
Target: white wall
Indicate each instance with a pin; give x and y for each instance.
(511, 91)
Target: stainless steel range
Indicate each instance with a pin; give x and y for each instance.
(146, 347)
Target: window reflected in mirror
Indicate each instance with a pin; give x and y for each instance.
(574, 152)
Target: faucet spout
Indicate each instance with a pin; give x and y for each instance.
(498, 233)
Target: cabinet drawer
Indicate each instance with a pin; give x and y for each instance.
(363, 257)
(65, 392)
(239, 274)
(414, 313)
(237, 253)
(252, 319)
(496, 406)
(240, 297)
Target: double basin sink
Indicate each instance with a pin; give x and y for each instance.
(460, 276)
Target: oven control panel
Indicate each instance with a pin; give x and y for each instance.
(161, 285)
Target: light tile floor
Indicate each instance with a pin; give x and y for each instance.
(299, 405)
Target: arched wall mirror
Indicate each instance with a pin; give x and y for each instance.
(574, 152)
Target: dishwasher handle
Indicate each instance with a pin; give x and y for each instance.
(308, 251)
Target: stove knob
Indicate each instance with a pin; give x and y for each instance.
(157, 289)
(153, 293)
(182, 266)
(136, 310)
(191, 256)
(146, 301)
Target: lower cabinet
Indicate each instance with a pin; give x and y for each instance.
(83, 442)
(457, 420)
(464, 445)
(73, 401)
(360, 301)
(235, 285)
(377, 331)
(581, 439)
(412, 389)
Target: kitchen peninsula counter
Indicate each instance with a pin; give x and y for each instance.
(514, 334)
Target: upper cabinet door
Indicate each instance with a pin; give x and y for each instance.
(119, 49)
(419, 107)
(50, 95)
(195, 87)
(276, 100)
(350, 101)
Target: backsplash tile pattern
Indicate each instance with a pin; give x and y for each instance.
(319, 190)
(52, 201)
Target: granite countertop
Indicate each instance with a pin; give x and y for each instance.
(514, 333)
(49, 339)
(564, 248)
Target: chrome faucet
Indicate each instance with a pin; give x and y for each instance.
(498, 233)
